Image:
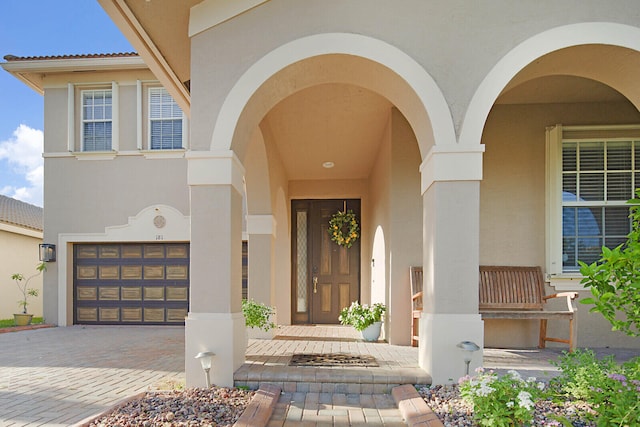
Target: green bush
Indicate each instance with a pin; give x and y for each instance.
(258, 315)
(361, 316)
(614, 280)
(501, 401)
(611, 390)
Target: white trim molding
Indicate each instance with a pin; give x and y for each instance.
(144, 227)
(451, 163)
(221, 167)
(71, 117)
(261, 224)
(16, 229)
(434, 109)
(210, 13)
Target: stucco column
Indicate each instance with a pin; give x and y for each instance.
(451, 212)
(215, 322)
(261, 230)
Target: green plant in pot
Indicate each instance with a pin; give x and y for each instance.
(364, 318)
(258, 315)
(22, 282)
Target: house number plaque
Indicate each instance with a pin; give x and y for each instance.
(159, 221)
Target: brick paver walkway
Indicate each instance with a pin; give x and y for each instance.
(60, 376)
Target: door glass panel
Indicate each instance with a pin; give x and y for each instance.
(301, 251)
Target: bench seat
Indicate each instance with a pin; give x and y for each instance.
(508, 292)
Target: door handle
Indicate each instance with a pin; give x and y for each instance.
(315, 284)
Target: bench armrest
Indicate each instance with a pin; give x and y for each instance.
(570, 296)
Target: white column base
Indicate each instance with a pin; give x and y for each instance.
(439, 337)
(221, 333)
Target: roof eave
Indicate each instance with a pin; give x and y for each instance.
(30, 71)
(133, 30)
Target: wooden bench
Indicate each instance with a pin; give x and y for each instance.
(518, 293)
(416, 302)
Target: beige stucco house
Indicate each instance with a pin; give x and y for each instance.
(20, 236)
(461, 133)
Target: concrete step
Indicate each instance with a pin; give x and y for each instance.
(329, 379)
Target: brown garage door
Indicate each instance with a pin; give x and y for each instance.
(131, 283)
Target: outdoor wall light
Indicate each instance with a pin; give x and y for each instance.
(205, 358)
(469, 348)
(47, 252)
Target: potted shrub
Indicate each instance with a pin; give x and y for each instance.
(364, 318)
(257, 316)
(24, 318)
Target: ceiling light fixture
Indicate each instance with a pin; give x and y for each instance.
(328, 165)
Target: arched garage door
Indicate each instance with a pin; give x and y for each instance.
(131, 283)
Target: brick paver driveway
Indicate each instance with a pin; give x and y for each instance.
(61, 376)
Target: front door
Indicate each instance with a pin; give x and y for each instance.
(325, 276)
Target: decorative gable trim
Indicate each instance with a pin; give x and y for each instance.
(210, 13)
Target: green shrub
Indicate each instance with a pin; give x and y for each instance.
(501, 401)
(258, 315)
(361, 316)
(614, 280)
(611, 390)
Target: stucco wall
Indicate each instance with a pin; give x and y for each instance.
(86, 195)
(443, 37)
(19, 254)
(512, 207)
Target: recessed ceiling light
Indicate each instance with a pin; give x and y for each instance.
(328, 165)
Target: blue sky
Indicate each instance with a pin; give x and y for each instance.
(41, 28)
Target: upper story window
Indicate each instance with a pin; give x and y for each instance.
(97, 120)
(165, 121)
(596, 171)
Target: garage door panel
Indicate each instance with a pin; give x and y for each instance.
(131, 293)
(131, 283)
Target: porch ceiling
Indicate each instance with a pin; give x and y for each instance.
(340, 123)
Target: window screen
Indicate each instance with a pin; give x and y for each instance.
(165, 121)
(598, 177)
(96, 120)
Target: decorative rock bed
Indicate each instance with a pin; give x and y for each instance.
(195, 407)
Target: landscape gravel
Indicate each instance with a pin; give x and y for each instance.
(195, 407)
(446, 403)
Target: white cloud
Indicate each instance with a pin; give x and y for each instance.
(23, 153)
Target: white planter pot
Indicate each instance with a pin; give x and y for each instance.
(372, 332)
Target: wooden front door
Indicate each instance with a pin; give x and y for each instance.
(325, 276)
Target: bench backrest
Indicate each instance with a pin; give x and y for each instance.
(416, 287)
(511, 288)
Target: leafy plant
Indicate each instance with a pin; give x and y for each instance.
(501, 401)
(23, 283)
(611, 390)
(258, 315)
(614, 280)
(360, 316)
(579, 370)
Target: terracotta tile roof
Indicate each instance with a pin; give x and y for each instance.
(12, 58)
(19, 213)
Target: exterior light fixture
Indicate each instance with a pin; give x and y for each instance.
(205, 358)
(469, 347)
(328, 165)
(47, 252)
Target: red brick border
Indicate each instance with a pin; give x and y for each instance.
(259, 411)
(413, 408)
(25, 328)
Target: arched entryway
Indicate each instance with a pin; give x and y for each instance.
(560, 140)
(362, 105)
